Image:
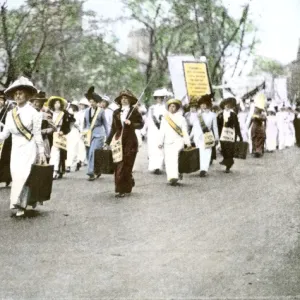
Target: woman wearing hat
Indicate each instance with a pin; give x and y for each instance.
(108, 111)
(126, 120)
(24, 124)
(61, 119)
(271, 130)
(173, 136)
(5, 147)
(204, 122)
(96, 128)
(155, 115)
(48, 127)
(258, 129)
(229, 130)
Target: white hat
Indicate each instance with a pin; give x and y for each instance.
(106, 98)
(75, 102)
(21, 82)
(84, 101)
(161, 93)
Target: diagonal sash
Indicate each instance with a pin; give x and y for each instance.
(174, 125)
(95, 118)
(21, 128)
(59, 117)
(87, 136)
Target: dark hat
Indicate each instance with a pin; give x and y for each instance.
(206, 99)
(231, 101)
(91, 95)
(41, 96)
(2, 95)
(133, 100)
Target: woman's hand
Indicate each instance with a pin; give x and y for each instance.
(60, 133)
(127, 122)
(42, 159)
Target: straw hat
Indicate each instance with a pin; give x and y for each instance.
(174, 101)
(21, 83)
(62, 101)
(133, 100)
(161, 93)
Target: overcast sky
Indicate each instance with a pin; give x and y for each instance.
(278, 22)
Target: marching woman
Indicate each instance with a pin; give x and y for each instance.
(24, 124)
(297, 126)
(173, 136)
(229, 130)
(271, 130)
(205, 123)
(258, 130)
(126, 120)
(61, 119)
(5, 147)
(155, 114)
(291, 134)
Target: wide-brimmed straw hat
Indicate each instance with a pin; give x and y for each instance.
(174, 101)
(53, 99)
(231, 101)
(21, 83)
(132, 99)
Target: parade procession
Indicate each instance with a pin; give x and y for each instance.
(149, 150)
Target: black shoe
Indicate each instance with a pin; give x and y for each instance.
(203, 173)
(157, 172)
(78, 166)
(227, 170)
(91, 178)
(98, 175)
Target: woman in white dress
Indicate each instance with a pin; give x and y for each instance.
(271, 130)
(291, 135)
(173, 136)
(24, 124)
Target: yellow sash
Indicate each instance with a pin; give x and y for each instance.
(87, 136)
(21, 128)
(59, 117)
(1, 147)
(174, 125)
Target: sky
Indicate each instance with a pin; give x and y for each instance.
(278, 23)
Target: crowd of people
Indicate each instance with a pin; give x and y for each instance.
(36, 129)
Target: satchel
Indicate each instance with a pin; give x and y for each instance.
(189, 161)
(87, 138)
(40, 183)
(227, 135)
(209, 139)
(59, 141)
(241, 150)
(117, 148)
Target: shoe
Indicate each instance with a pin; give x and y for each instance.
(78, 166)
(20, 213)
(60, 176)
(180, 176)
(7, 183)
(222, 162)
(55, 175)
(91, 178)
(98, 175)
(133, 182)
(120, 195)
(227, 171)
(203, 173)
(173, 181)
(157, 172)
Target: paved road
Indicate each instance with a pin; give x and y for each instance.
(227, 236)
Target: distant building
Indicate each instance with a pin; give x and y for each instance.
(293, 82)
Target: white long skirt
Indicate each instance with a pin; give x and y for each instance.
(55, 158)
(171, 159)
(271, 138)
(291, 136)
(155, 155)
(205, 155)
(73, 139)
(23, 155)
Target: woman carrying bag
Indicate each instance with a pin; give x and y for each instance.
(124, 142)
(24, 124)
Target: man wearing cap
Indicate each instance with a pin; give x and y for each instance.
(155, 115)
(96, 128)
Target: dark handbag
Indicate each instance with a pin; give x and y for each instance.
(189, 161)
(103, 162)
(241, 150)
(40, 183)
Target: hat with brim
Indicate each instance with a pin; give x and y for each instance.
(75, 103)
(174, 101)
(40, 96)
(53, 99)
(206, 99)
(106, 99)
(91, 95)
(85, 102)
(21, 83)
(228, 101)
(132, 99)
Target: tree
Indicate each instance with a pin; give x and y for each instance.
(267, 65)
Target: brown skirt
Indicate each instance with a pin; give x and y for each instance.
(258, 137)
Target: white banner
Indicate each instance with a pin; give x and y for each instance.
(177, 76)
(280, 90)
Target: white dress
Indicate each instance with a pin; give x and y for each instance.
(282, 123)
(210, 121)
(243, 117)
(271, 133)
(291, 135)
(155, 155)
(173, 143)
(24, 152)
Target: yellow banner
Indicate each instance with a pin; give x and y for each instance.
(196, 79)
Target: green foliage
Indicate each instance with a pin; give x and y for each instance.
(267, 65)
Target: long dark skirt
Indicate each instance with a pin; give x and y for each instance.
(227, 149)
(5, 175)
(124, 181)
(62, 161)
(258, 136)
(297, 131)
